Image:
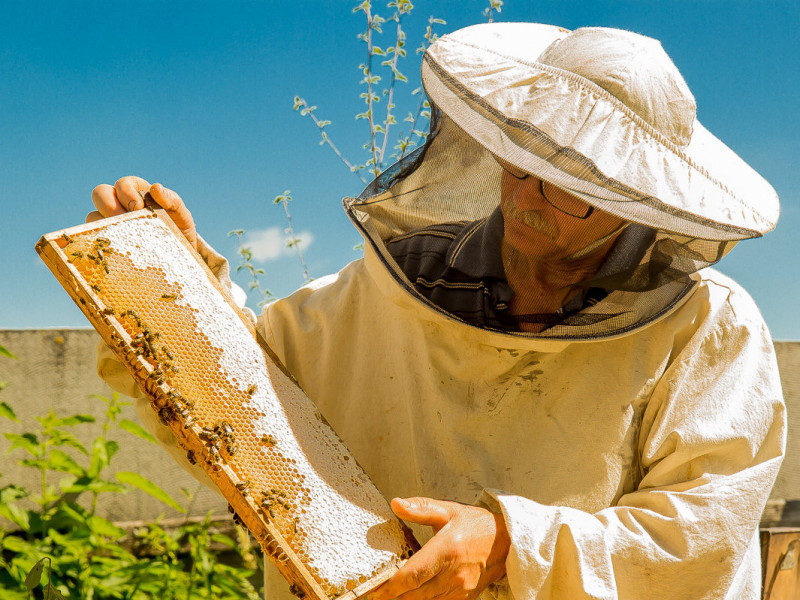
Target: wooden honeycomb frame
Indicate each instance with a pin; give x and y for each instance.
(96, 274)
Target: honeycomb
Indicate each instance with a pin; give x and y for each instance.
(214, 382)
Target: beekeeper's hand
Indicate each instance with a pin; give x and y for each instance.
(126, 195)
(466, 554)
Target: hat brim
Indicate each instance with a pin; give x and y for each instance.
(571, 132)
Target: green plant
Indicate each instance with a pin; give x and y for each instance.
(87, 556)
(246, 264)
(380, 82)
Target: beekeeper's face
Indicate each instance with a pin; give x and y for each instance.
(546, 223)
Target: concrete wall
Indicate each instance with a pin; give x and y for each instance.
(55, 369)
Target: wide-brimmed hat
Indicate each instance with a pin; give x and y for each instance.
(605, 115)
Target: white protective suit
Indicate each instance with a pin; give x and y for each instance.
(633, 462)
(634, 467)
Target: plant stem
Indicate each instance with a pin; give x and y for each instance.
(368, 78)
(293, 240)
(397, 49)
(306, 110)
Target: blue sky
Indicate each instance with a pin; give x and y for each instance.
(198, 95)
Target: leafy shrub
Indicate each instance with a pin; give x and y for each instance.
(56, 532)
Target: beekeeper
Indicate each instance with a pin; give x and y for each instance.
(532, 351)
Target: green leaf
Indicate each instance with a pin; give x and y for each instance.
(364, 6)
(52, 593)
(36, 463)
(6, 353)
(74, 512)
(112, 448)
(76, 420)
(61, 461)
(35, 575)
(27, 441)
(8, 508)
(105, 528)
(15, 544)
(136, 429)
(224, 540)
(65, 438)
(12, 492)
(7, 412)
(85, 484)
(148, 487)
(99, 457)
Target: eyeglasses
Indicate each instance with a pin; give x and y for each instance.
(554, 196)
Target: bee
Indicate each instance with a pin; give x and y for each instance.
(269, 440)
(167, 352)
(108, 310)
(132, 313)
(165, 415)
(75, 256)
(244, 486)
(252, 389)
(226, 429)
(190, 457)
(176, 396)
(155, 374)
(294, 590)
(67, 238)
(190, 420)
(231, 447)
(169, 296)
(102, 242)
(211, 437)
(96, 288)
(91, 256)
(236, 518)
(214, 458)
(105, 267)
(295, 523)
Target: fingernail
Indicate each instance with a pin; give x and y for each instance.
(404, 503)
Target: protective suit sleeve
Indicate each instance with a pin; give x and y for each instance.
(116, 375)
(710, 444)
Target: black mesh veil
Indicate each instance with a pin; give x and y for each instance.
(453, 179)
